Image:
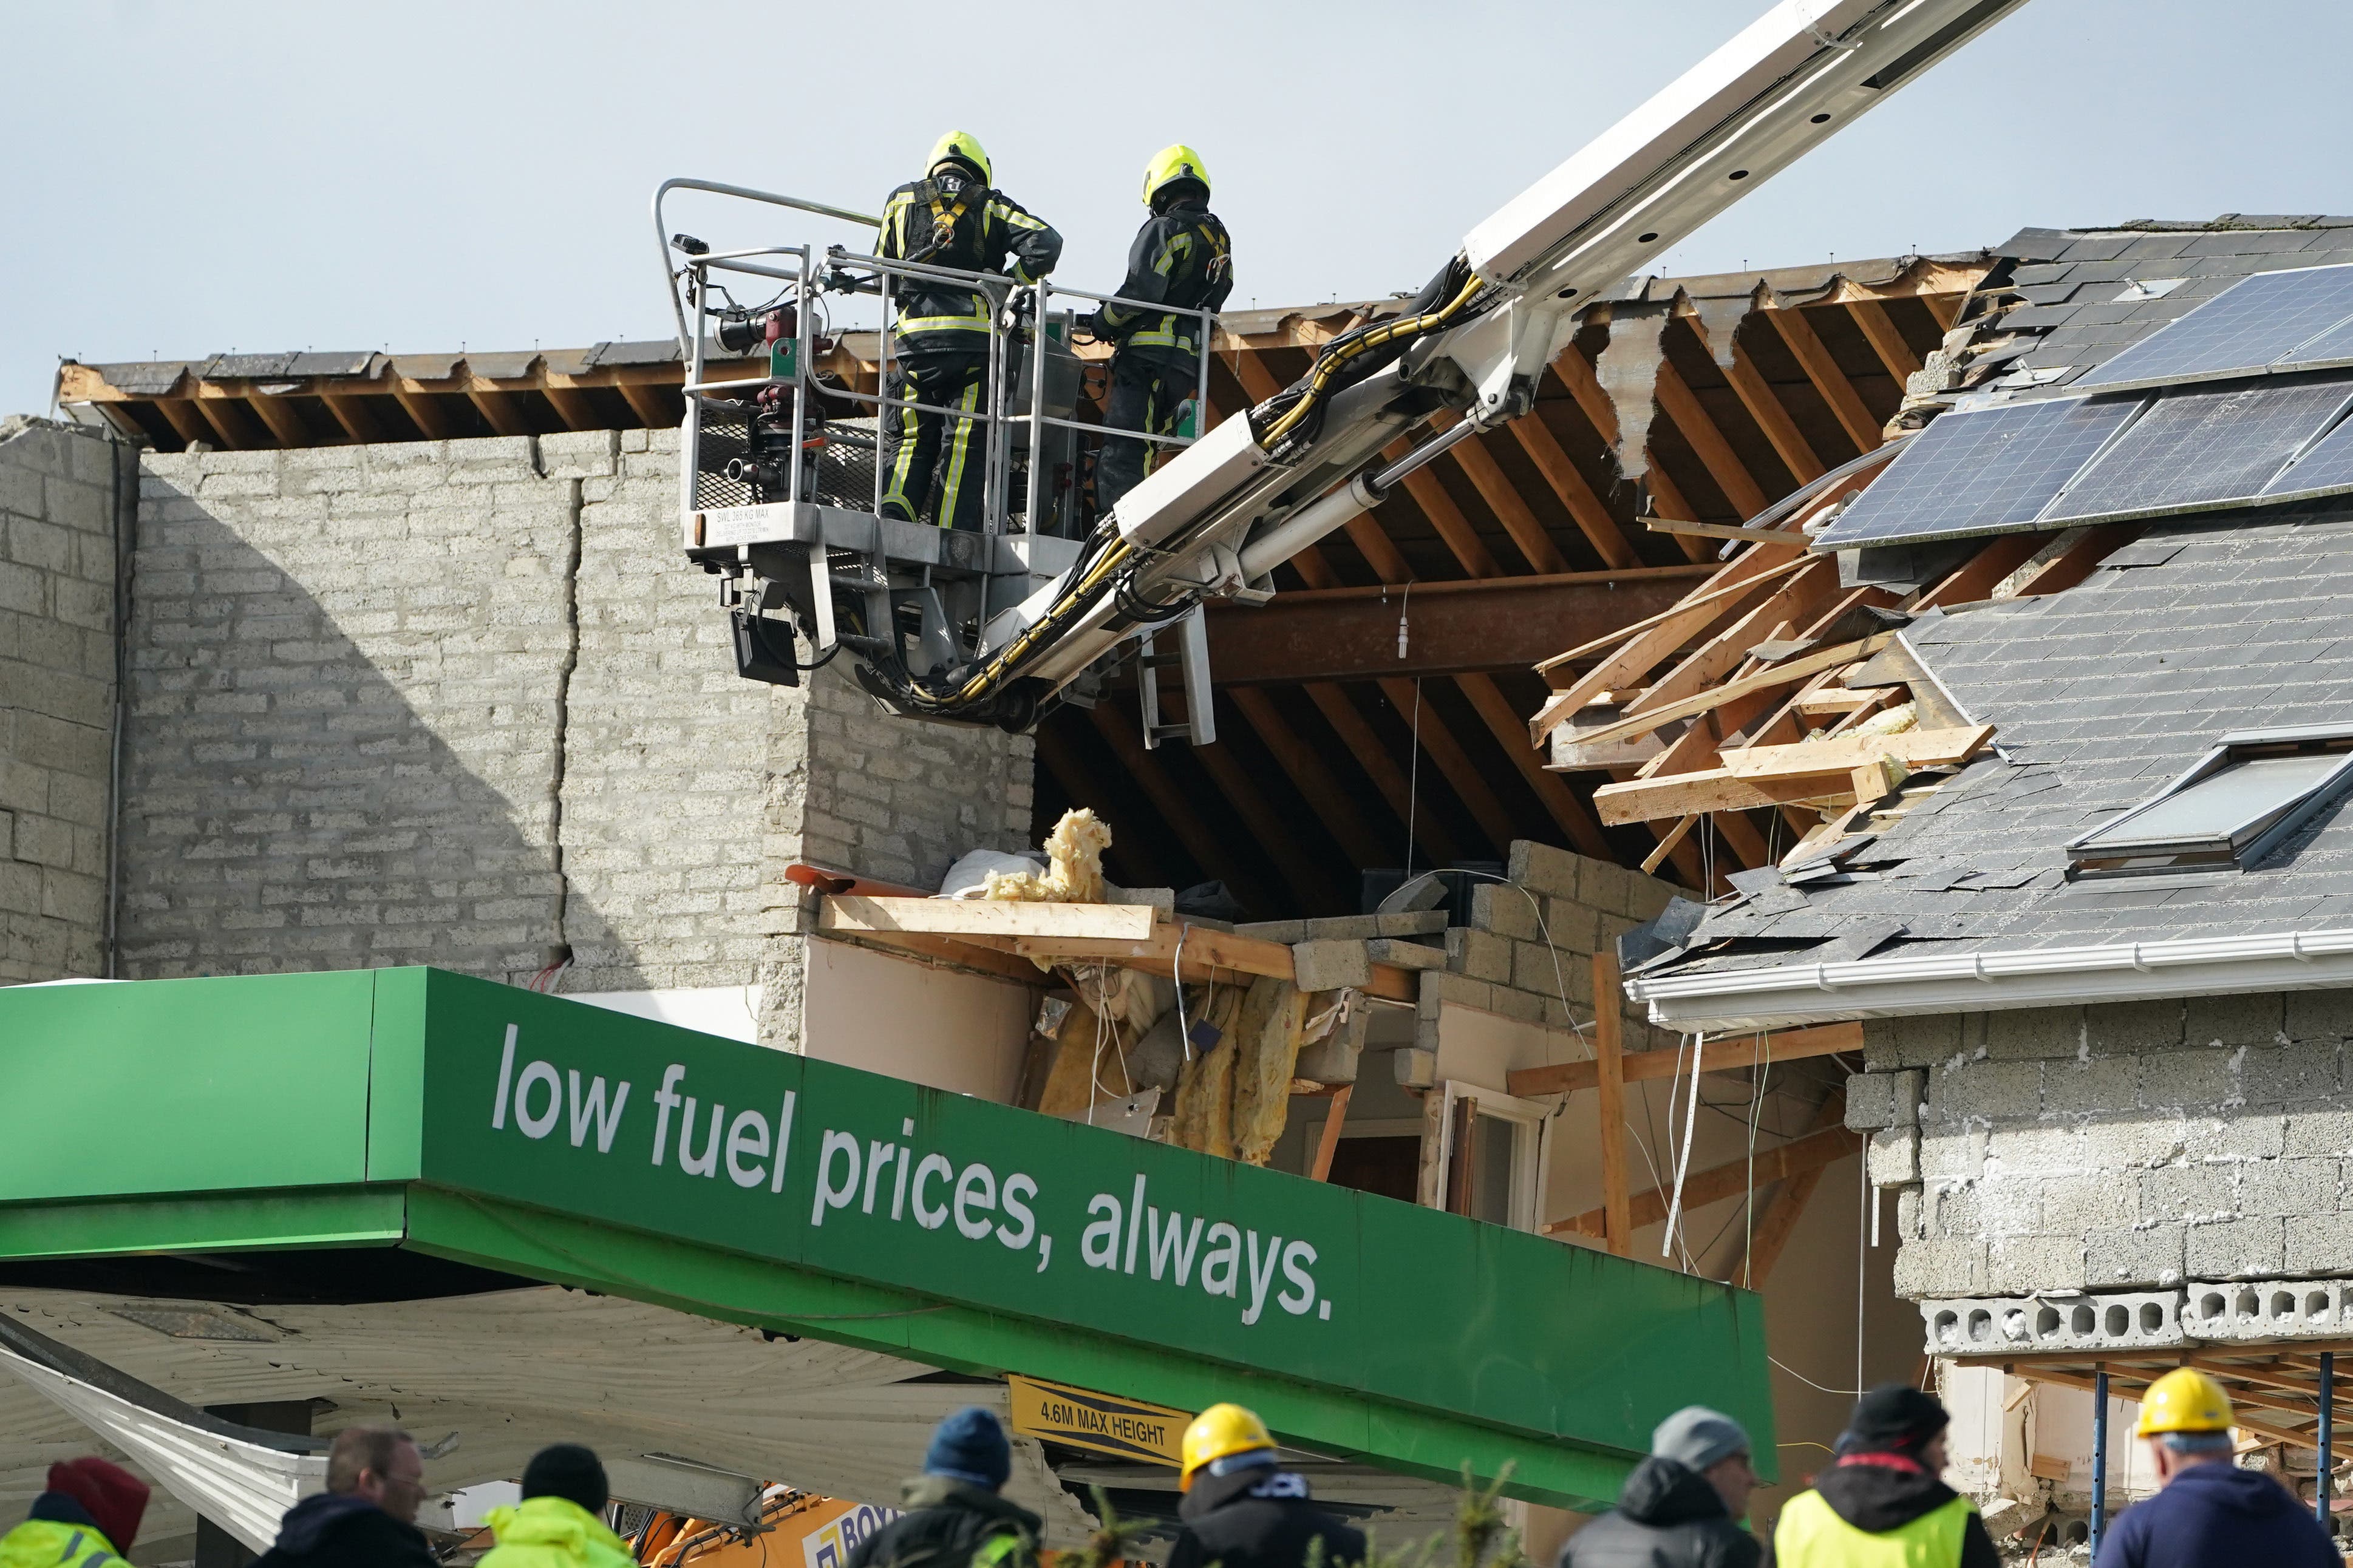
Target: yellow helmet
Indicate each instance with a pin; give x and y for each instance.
(1221, 1432)
(2183, 1400)
(1171, 164)
(965, 148)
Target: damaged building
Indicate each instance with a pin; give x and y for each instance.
(344, 662)
(341, 662)
(2026, 749)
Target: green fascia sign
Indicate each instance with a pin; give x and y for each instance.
(567, 1143)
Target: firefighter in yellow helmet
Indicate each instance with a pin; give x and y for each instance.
(953, 216)
(1242, 1510)
(1884, 1501)
(1181, 257)
(2207, 1509)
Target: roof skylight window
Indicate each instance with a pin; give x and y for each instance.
(2231, 807)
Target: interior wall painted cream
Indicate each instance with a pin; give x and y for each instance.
(942, 1028)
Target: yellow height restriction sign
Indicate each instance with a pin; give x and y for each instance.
(1098, 1422)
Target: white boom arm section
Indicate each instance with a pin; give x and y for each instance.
(1215, 520)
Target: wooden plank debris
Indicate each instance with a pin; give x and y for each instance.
(1728, 1053)
(1609, 1079)
(1920, 748)
(1783, 674)
(980, 917)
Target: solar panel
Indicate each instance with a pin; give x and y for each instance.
(1989, 470)
(2202, 447)
(2326, 469)
(2256, 326)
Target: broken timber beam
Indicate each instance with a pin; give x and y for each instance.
(1618, 1231)
(1780, 776)
(1657, 524)
(1657, 641)
(1784, 674)
(983, 917)
(1921, 748)
(1729, 1053)
(1133, 936)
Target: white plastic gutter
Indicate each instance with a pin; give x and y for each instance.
(1980, 982)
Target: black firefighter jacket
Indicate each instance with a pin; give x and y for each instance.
(1181, 257)
(1258, 1518)
(950, 220)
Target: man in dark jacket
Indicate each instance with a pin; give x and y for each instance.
(1183, 259)
(1885, 1494)
(2207, 1509)
(951, 217)
(955, 1517)
(1243, 1509)
(366, 1517)
(1680, 1507)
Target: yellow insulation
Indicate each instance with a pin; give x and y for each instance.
(1073, 873)
(1205, 1087)
(1267, 1037)
(1085, 1047)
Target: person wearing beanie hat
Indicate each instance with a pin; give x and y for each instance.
(88, 1517)
(1681, 1506)
(955, 1517)
(1884, 1497)
(559, 1523)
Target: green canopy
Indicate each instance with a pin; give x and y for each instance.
(434, 1114)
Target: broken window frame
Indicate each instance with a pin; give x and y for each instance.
(1531, 1149)
(2112, 850)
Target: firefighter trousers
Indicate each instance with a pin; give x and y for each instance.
(919, 445)
(1143, 396)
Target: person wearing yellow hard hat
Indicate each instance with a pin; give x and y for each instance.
(1182, 260)
(2207, 1509)
(1882, 1501)
(1242, 1510)
(954, 217)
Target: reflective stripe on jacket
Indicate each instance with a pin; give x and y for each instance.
(1810, 1534)
(954, 222)
(45, 1543)
(1182, 257)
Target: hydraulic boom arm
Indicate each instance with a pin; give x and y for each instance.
(1214, 519)
(1219, 516)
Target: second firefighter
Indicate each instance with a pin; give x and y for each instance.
(1182, 260)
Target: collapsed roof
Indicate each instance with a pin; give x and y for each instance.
(1724, 393)
(1891, 747)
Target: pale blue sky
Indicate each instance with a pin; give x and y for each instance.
(181, 179)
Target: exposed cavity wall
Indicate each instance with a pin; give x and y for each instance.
(463, 703)
(61, 497)
(2137, 1147)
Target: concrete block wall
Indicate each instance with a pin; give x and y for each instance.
(346, 663)
(461, 702)
(2130, 1146)
(62, 494)
(1526, 949)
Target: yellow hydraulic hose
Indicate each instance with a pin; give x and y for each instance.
(1118, 552)
(1329, 366)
